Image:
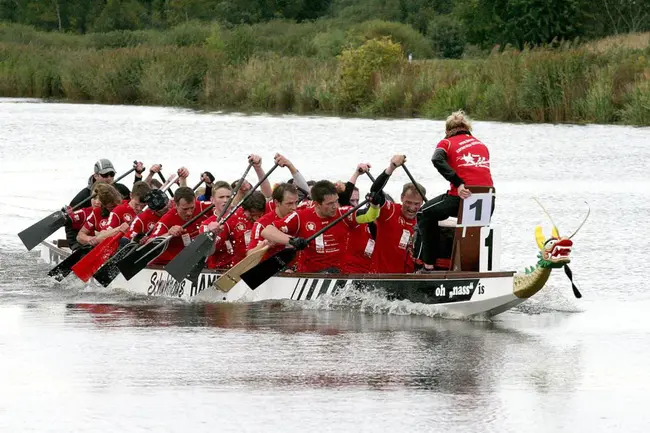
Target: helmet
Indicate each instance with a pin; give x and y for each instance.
(156, 199)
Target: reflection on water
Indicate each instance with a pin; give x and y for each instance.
(407, 351)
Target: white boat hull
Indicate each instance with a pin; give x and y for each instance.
(451, 294)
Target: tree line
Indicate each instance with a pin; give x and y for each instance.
(449, 26)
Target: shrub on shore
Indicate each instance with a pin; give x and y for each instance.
(574, 84)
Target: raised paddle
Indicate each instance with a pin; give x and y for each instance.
(182, 265)
(277, 262)
(408, 173)
(138, 260)
(109, 271)
(91, 262)
(38, 232)
(171, 194)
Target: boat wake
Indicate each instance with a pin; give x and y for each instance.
(551, 299)
(376, 302)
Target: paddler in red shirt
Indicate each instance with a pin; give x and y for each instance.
(126, 212)
(186, 207)
(361, 242)
(95, 228)
(325, 253)
(395, 225)
(285, 201)
(221, 258)
(462, 159)
(157, 205)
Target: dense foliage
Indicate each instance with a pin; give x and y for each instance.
(444, 28)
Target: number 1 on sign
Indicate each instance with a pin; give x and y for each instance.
(489, 249)
(477, 210)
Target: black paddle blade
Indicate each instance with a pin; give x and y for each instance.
(184, 262)
(195, 272)
(37, 233)
(138, 260)
(256, 276)
(64, 268)
(109, 271)
(569, 274)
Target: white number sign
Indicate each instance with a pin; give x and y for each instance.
(489, 249)
(476, 210)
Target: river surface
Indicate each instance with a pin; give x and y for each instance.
(77, 357)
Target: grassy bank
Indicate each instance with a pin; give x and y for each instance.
(606, 83)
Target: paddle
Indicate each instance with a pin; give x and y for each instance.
(92, 261)
(408, 173)
(228, 280)
(186, 260)
(64, 268)
(569, 274)
(38, 232)
(171, 194)
(138, 259)
(109, 271)
(277, 262)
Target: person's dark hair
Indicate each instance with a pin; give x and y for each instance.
(280, 190)
(184, 192)
(321, 189)
(140, 190)
(210, 176)
(255, 202)
(123, 190)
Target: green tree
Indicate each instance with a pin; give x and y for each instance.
(447, 36)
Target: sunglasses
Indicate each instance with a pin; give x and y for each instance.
(109, 174)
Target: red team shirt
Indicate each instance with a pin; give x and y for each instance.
(95, 222)
(392, 250)
(256, 233)
(359, 252)
(469, 158)
(121, 214)
(80, 216)
(232, 242)
(141, 224)
(171, 219)
(328, 249)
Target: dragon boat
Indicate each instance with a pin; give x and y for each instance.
(473, 285)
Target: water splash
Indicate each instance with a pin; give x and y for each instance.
(377, 302)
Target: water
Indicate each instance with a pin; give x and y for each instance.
(77, 357)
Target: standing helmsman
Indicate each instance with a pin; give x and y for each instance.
(463, 160)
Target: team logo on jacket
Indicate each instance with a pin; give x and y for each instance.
(241, 227)
(103, 225)
(150, 226)
(311, 226)
(127, 217)
(470, 160)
